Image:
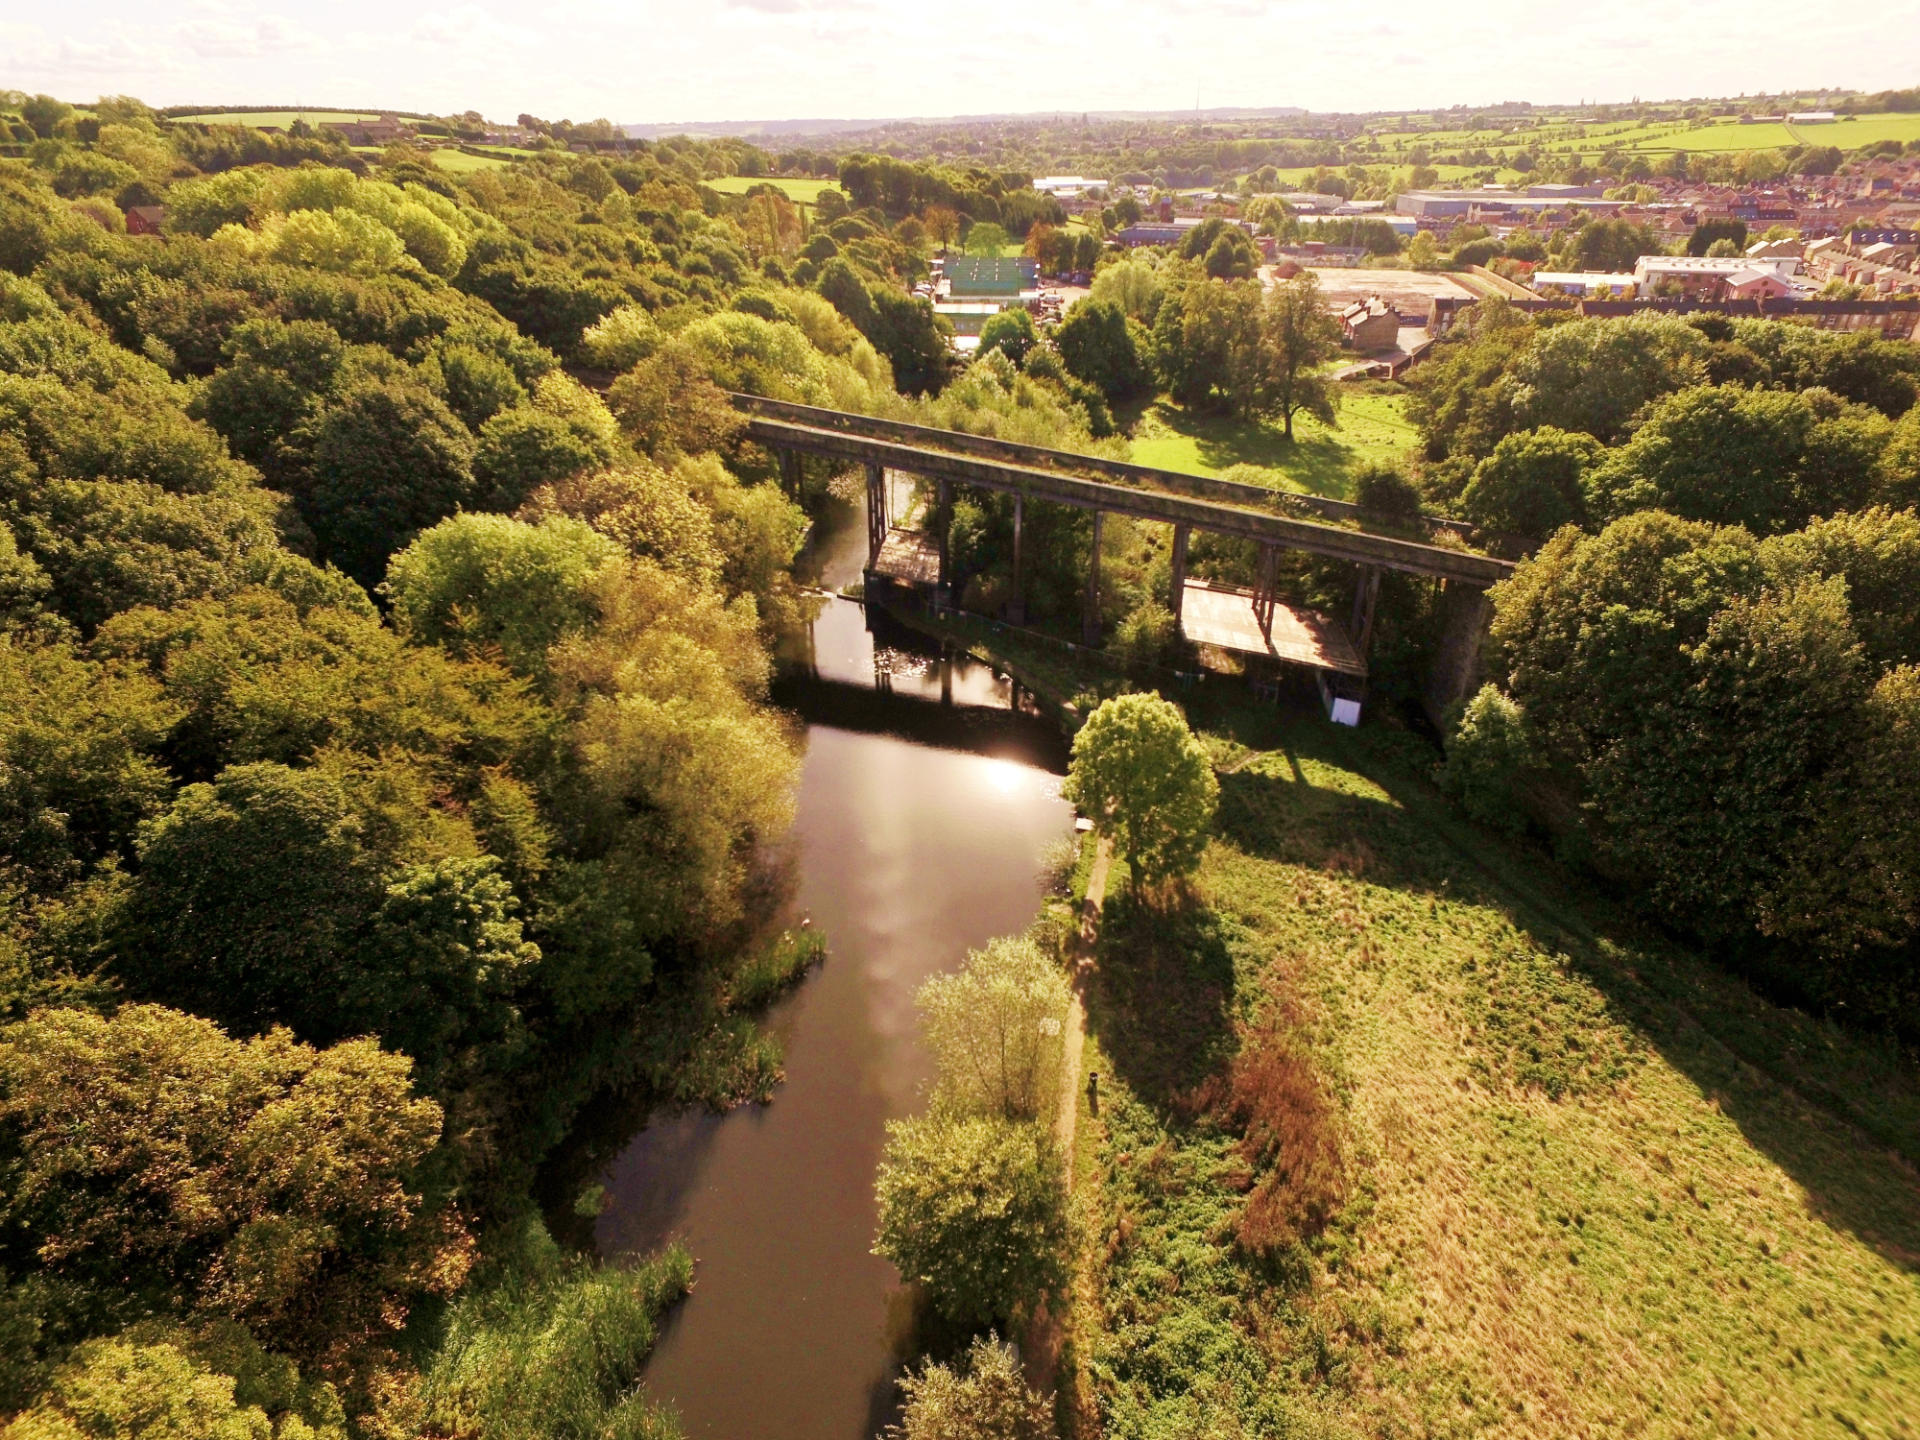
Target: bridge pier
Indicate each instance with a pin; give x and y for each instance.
(1017, 604)
(790, 472)
(1181, 534)
(1457, 668)
(1264, 588)
(943, 503)
(1090, 617)
(1366, 597)
(876, 510)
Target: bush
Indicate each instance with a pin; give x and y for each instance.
(1489, 747)
(1146, 635)
(1383, 491)
(983, 1397)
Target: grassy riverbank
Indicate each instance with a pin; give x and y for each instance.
(1587, 1184)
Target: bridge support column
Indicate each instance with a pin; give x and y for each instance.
(1456, 672)
(790, 473)
(1366, 597)
(1090, 617)
(1263, 590)
(1017, 605)
(1181, 534)
(876, 510)
(943, 504)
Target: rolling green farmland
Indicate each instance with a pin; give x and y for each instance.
(804, 192)
(458, 162)
(278, 119)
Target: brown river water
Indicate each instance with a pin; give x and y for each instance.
(920, 829)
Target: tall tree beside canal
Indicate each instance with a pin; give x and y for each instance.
(975, 1210)
(995, 1029)
(1143, 778)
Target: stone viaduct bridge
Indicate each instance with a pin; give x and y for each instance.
(1273, 521)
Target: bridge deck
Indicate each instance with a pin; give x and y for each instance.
(912, 556)
(1218, 615)
(1356, 546)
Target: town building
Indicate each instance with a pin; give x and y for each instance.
(383, 131)
(1581, 284)
(1496, 201)
(146, 219)
(972, 277)
(1700, 275)
(1370, 324)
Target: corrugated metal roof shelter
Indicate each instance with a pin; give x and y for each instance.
(970, 275)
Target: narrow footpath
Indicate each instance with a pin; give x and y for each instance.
(1084, 952)
(1041, 1351)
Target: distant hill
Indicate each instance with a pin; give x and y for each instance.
(747, 128)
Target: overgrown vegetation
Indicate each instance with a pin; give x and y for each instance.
(1536, 1170)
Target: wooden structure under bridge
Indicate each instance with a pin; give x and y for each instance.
(1253, 622)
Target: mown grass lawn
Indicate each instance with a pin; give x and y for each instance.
(1373, 425)
(1594, 1186)
(282, 119)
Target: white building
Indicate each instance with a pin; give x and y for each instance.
(1696, 273)
(1583, 283)
(1067, 187)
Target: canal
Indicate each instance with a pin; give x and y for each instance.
(920, 832)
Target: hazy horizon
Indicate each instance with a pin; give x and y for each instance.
(744, 61)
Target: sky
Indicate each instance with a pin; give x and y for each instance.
(702, 60)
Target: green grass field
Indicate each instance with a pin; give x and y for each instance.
(1593, 1187)
(282, 119)
(1722, 137)
(458, 162)
(1318, 461)
(804, 192)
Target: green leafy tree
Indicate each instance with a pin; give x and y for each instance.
(1593, 375)
(981, 1396)
(1850, 887)
(1764, 459)
(1232, 256)
(1533, 483)
(974, 1209)
(480, 582)
(1384, 492)
(478, 385)
(1146, 635)
(1709, 233)
(1877, 552)
(995, 1028)
(1011, 332)
(383, 464)
(1695, 703)
(987, 239)
(165, 1383)
(522, 449)
(1297, 338)
(1132, 286)
(1612, 246)
(1099, 346)
(1144, 779)
(262, 1179)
